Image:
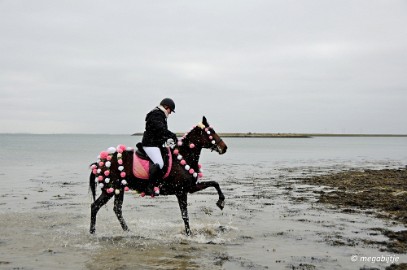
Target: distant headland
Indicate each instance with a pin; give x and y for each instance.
(290, 135)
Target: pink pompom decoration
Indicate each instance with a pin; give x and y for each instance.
(192, 145)
(100, 178)
(101, 164)
(110, 190)
(94, 171)
(107, 172)
(109, 157)
(126, 189)
(183, 162)
(103, 154)
(210, 137)
(179, 143)
(200, 175)
(191, 171)
(120, 161)
(199, 166)
(93, 167)
(206, 129)
(123, 174)
(176, 152)
(122, 146)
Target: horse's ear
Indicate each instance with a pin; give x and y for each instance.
(205, 122)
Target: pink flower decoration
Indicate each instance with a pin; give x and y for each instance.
(200, 175)
(179, 143)
(206, 129)
(110, 190)
(199, 166)
(100, 178)
(123, 174)
(176, 152)
(101, 164)
(210, 137)
(93, 167)
(120, 161)
(107, 172)
(192, 145)
(119, 150)
(191, 171)
(103, 154)
(94, 171)
(183, 162)
(126, 189)
(109, 157)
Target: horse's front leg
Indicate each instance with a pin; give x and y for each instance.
(118, 203)
(183, 205)
(96, 205)
(203, 185)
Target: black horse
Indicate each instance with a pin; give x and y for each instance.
(114, 174)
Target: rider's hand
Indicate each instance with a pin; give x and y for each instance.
(170, 142)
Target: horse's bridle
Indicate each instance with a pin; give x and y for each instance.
(215, 146)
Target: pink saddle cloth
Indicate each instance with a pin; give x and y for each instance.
(141, 167)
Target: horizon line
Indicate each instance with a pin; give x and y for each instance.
(235, 134)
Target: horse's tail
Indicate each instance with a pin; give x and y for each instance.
(92, 183)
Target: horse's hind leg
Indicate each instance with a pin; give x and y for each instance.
(203, 185)
(118, 202)
(102, 200)
(183, 204)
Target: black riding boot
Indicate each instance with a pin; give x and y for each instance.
(152, 187)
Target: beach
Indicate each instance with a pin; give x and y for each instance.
(279, 213)
(381, 193)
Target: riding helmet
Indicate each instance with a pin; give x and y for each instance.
(168, 102)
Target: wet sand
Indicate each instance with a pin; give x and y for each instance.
(382, 193)
(272, 220)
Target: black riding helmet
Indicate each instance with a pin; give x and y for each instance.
(168, 102)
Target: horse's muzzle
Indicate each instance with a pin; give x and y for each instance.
(221, 148)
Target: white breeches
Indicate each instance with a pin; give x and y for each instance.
(154, 154)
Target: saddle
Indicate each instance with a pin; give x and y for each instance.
(142, 163)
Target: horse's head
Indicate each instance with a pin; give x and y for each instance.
(204, 135)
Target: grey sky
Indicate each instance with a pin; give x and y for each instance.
(249, 66)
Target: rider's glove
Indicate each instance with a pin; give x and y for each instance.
(170, 143)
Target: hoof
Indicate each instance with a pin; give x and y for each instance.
(220, 204)
(156, 191)
(92, 231)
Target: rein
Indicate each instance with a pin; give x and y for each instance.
(215, 145)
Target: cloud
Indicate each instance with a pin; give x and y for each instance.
(97, 67)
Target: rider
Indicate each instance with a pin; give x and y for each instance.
(155, 135)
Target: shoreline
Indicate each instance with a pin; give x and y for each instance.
(381, 193)
(234, 135)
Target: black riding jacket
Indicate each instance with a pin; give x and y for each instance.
(156, 133)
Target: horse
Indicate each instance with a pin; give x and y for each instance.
(114, 173)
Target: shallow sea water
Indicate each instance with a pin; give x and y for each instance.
(45, 208)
